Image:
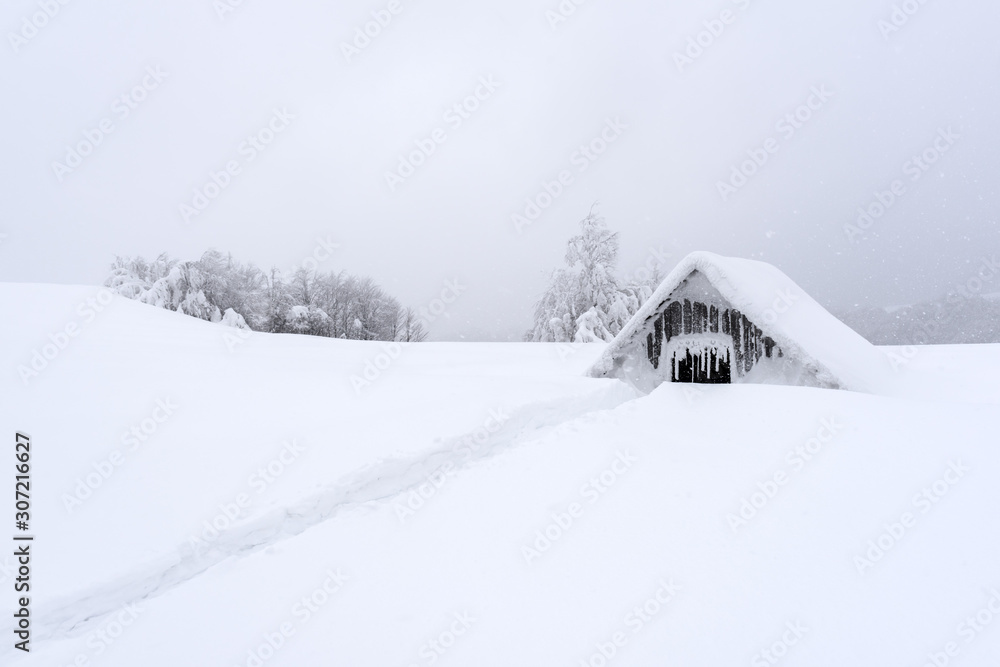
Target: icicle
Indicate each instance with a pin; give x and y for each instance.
(657, 341)
(736, 320)
(747, 351)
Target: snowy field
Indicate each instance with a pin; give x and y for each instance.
(200, 498)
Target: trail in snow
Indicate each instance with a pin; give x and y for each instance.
(376, 483)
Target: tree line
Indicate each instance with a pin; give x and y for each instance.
(586, 301)
(218, 288)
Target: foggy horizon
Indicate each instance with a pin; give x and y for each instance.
(883, 90)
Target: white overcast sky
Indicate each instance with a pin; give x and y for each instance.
(324, 175)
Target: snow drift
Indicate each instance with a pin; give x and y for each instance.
(486, 504)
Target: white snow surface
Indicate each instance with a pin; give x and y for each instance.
(802, 328)
(504, 441)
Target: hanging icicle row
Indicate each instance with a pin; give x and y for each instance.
(685, 318)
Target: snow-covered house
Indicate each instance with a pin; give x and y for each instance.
(725, 320)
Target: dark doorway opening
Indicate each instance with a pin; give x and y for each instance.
(692, 368)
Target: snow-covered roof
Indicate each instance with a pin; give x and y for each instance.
(801, 327)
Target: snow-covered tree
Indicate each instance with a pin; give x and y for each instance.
(586, 300)
(131, 277)
(231, 318)
(164, 283)
(229, 284)
(308, 320)
(556, 311)
(409, 327)
(204, 288)
(218, 288)
(590, 328)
